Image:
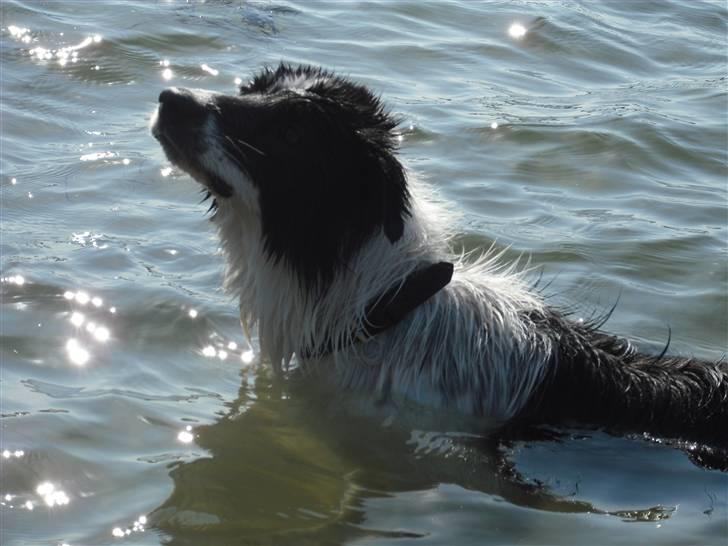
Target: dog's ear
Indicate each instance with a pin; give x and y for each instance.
(395, 197)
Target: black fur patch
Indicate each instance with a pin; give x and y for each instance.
(600, 379)
(325, 168)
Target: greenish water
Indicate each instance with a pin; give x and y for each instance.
(129, 405)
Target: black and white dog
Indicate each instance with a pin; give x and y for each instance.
(338, 260)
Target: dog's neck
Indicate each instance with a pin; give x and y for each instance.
(291, 314)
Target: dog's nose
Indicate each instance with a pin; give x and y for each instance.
(180, 99)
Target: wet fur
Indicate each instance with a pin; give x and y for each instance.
(317, 218)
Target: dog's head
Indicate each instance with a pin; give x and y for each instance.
(310, 153)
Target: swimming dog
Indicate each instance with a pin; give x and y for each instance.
(348, 271)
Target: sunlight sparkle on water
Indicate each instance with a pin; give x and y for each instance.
(51, 495)
(167, 73)
(15, 279)
(166, 171)
(494, 125)
(517, 31)
(17, 453)
(247, 356)
(207, 68)
(97, 155)
(77, 319)
(192, 313)
(185, 436)
(63, 54)
(102, 334)
(76, 354)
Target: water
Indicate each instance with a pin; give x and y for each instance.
(596, 143)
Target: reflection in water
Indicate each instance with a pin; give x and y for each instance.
(286, 467)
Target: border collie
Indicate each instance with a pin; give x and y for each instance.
(337, 260)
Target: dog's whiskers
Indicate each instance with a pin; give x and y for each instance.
(246, 144)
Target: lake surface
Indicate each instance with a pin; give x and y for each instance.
(133, 409)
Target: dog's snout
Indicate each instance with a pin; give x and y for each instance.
(179, 100)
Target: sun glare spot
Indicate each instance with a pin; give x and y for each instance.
(102, 334)
(185, 436)
(207, 68)
(192, 313)
(517, 31)
(76, 354)
(494, 125)
(51, 495)
(167, 74)
(77, 319)
(247, 356)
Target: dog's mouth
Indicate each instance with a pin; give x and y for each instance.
(178, 124)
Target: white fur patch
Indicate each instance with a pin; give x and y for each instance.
(466, 349)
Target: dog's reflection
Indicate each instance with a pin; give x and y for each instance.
(285, 467)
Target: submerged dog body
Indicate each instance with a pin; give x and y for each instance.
(320, 226)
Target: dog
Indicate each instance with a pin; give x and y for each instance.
(346, 268)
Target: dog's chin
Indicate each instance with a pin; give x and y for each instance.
(216, 185)
(213, 183)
